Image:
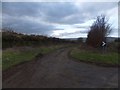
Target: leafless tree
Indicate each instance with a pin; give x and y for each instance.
(99, 30)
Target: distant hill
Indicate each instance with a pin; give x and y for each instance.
(70, 38)
(109, 39)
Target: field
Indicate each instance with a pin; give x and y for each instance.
(20, 48)
(38, 61)
(95, 56)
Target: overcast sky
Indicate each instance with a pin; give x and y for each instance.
(57, 19)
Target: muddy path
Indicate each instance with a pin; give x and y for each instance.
(57, 70)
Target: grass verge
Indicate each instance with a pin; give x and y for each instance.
(14, 56)
(106, 59)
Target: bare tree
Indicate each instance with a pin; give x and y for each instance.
(99, 30)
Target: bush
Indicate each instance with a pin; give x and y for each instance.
(98, 31)
(11, 39)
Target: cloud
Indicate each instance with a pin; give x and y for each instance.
(49, 18)
(61, 1)
(26, 25)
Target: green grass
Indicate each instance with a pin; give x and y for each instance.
(11, 57)
(90, 56)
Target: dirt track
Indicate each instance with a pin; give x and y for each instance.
(57, 70)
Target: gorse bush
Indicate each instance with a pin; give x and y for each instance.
(11, 38)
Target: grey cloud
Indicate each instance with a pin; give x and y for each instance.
(59, 10)
(96, 8)
(24, 26)
(20, 9)
(76, 32)
(82, 27)
(58, 13)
